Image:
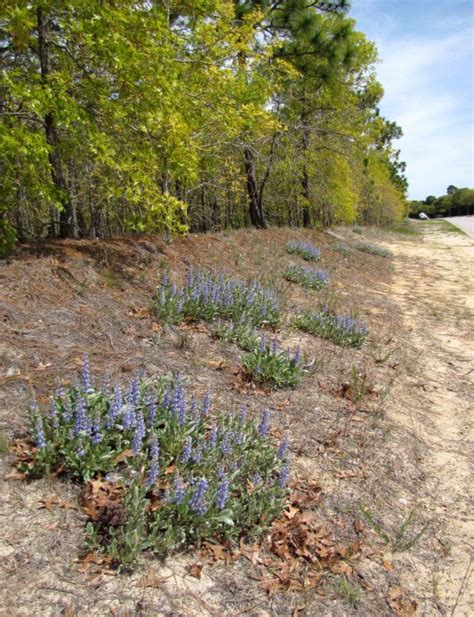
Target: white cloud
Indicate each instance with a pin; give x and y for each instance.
(427, 77)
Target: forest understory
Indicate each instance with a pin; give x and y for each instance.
(378, 436)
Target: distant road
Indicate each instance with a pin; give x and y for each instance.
(466, 223)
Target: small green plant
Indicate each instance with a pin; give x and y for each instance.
(110, 278)
(307, 277)
(268, 363)
(406, 537)
(3, 444)
(341, 329)
(305, 250)
(358, 230)
(178, 474)
(372, 249)
(342, 249)
(359, 385)
(183, 340)
(210, 296)
(349, 593)
(241, 334)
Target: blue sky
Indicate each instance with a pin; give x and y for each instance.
(426, 69)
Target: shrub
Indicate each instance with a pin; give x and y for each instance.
(240, 333)
(307, 277)
(178, 475)
(340, 329)
(209, 296)
(304, 249)
(343, 249)
(372, 249)
(267, 363)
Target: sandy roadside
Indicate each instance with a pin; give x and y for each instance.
(434, 287)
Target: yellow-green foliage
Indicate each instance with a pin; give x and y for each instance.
(146, 117)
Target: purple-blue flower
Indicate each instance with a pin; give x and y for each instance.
(153, 473)
(86, 375)
(222, 492)
(139, 434)
(206, 404)
(197, 503)
(179, 491)
(283, 476)
(243, 414)
(264, 423)
(40, 436)
(114, 408)
(154, 447)
(186, 454)
(82, 424)
(283, 447)
(226, 442)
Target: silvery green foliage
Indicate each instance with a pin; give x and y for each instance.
(161, 445)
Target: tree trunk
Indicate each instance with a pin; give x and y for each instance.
(305, 179)
(66, 216)
(255, 199)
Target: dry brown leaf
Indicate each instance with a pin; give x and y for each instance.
(195, 569)
(401, 606)
(291, 512)
(388, 565)
(14, 474)
(48, 502)
(218, 365)
(123, 456)
(152, 580)
(218, 551)
(358, 525)
(341, 567)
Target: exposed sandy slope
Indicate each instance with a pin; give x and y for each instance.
(434, 286)
(397, 450)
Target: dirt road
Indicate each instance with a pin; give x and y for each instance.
(434, 287)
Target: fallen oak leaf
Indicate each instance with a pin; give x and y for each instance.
(123, 456)
(48, 502)
(195, 569)
(15, 474)
(152, 580)
(401, 606)
(341, 567)
(291, 512)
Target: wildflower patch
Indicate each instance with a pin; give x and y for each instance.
(305, 250)
(268, 363)
(341, 329)
(160, 471)
(210, 296)
(307, 277)
(372, 249)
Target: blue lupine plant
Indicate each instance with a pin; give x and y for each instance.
(210, 296)
(241, 333)
(343, 249)
(372, 249)
(268, 363)
(198, 469)
(307, 277)
(341, 329)
(304, 249)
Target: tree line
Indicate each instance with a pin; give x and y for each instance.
(121, 117)
(456, 202)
